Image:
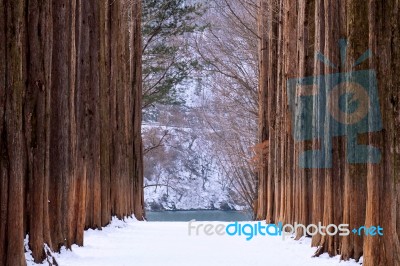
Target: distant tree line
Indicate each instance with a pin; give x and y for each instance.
(227, 51)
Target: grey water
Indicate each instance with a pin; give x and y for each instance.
(198, 215)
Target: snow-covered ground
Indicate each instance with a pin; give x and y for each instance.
(168, 244)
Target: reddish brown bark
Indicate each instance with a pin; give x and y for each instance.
(355, 194)
(70, 131)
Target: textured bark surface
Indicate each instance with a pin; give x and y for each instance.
(70, 118)
(292, 32)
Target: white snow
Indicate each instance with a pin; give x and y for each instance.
(169, 244)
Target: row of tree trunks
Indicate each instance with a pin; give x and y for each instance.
(291, 33)
(70, 118)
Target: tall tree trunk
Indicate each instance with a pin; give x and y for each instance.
(71, 152)
(357, 194)
(15, 160)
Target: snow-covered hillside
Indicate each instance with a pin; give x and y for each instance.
(181, 171)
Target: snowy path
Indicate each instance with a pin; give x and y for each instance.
(168, 244)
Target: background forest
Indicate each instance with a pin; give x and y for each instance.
(200, 76)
